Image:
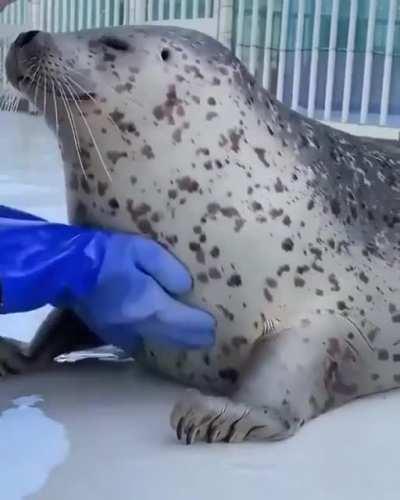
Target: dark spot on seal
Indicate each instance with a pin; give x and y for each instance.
(288, 245)
(238, 342)
(268, 295)
(113, 203)
(202, 277)
(214, 273)
(215, 252)
(115, 43)
(147, 151)
(211, 115)
(283, 269)
(102, 188)
(115, 156)
(228, 314)
(80, 213)
(138, 211)
(383, 355)
(235, 280)
(299, 282)
(261, 156)
(229, 374)
(188, 184)
(335, 207)
(271, 282)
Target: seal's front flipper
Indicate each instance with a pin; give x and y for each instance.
(213, 419)
(289, 379)
(61, 332)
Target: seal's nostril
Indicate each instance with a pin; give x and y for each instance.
(24, 38)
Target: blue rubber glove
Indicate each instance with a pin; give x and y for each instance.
(118, 284)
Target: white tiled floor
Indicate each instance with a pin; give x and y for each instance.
(100, 431)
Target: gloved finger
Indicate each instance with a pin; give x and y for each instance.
(181, 325)
(162, 266)
(177, 338)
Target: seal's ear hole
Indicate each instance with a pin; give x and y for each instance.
(165, 54)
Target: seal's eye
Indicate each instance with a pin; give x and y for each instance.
(165, 54)
(115, 43)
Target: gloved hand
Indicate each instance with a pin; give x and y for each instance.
(131, 299)
(118, 284)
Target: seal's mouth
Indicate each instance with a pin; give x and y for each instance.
(51, 88)
(37, 69)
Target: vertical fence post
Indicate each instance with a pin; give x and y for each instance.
(348, 76)
(254, 38)
(282, 50)
(366, 91)
(34, 14)
(171, 10)
(240, 28)
(268, 44)
(312, 90)
(298, 54)
(183, 9)
(387, 70)
(225, 21)
(330, 75)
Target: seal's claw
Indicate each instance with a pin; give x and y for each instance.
(215, 419)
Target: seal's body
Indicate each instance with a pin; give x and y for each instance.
(289, 227)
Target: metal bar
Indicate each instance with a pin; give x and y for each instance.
(330, 77)
(49, 15)
(150, 10)
(108, 13)
(196, 9)
(387, 70)
(207, 12)
(136, 12)
(282, 50)
(13, 11)
(183, 9)
(72, 20)
(43, 15)
(64, 24)
(19, 16)
(312, 90)
(81, 14)
(268, 43)
(171, 9)
(366, 91)
(298, 54)
(348, 75)
(116, 18)
(254, 37)
(97, 11)
(161, 10)
(239, 31)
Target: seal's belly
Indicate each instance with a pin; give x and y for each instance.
(252, 262)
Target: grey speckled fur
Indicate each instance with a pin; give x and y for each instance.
(282, 220)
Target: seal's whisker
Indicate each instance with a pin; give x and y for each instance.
(36, 92)
(73, 130)
(16, 103)
(68, 87)
(53, 91)
(94, 100)
(45, 96)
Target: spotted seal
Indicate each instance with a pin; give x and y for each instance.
(291, 228)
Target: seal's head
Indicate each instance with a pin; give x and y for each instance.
(126, 89)
(142, 65)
